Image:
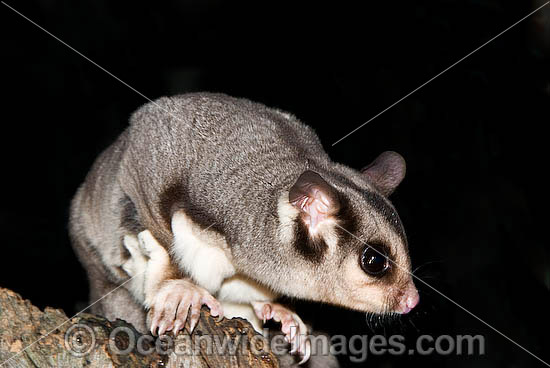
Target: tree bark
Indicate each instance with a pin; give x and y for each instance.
(32, 338)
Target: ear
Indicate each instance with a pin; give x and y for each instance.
(315, 198)
(386, 172)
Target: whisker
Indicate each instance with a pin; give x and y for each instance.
(411, 322)
(425, 264)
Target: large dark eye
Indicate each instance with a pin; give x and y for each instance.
(374, 261)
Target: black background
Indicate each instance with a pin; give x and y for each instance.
(475, 196)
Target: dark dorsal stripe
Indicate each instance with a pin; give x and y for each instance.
(379, 203)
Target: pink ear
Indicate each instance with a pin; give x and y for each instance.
(315, 198)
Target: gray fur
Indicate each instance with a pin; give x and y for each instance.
(225, 162)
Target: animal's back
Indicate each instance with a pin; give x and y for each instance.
(184, 151)
(233, 153)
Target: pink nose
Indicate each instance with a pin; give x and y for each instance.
(409, 301)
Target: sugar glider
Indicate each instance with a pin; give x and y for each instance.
(206, 199)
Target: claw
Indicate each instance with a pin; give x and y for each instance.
(294, 340)
(154, 326)
(214, 306)
(267, 311)
(179, 302)
(292, 333)
(193, 322)
(162, 328)
(177, 327)
(294, 347)
(307, 352)
(192, 325)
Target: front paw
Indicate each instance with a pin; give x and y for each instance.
(292, 326)
(176, 302)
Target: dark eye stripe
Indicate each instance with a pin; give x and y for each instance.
(311, 249)
(379, 204)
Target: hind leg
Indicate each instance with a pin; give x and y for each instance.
(107, 297)
(113, 301)
(116, 302)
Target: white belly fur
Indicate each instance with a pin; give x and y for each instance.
(205, 256)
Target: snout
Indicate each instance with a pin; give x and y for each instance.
(408, 301)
